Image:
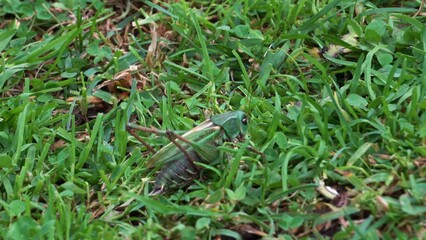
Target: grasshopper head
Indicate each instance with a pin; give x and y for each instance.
(234, 124)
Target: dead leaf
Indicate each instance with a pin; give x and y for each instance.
(58, 144)
(151, 56)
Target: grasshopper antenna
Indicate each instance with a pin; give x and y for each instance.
(130, 128)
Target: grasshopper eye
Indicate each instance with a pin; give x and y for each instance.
(244, 121)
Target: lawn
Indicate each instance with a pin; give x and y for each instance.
(334, 92)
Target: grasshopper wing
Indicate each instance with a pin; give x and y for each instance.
(201, 140)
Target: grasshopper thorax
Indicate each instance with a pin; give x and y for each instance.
(234, 124)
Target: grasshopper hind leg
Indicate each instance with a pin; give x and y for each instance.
(157, 190)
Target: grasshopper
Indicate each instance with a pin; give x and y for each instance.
(177, 160)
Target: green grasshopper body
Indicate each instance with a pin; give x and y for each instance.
(178, 159)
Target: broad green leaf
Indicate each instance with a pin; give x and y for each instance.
(16, 207)
(73, 187)
(359, 153)
(356, 100)
(375, 30)
(6, 161)
(24, 228)
(105, 96)
(407, 207)
(384, 58)
(289, 222)
(6, 36)
(202, 223)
